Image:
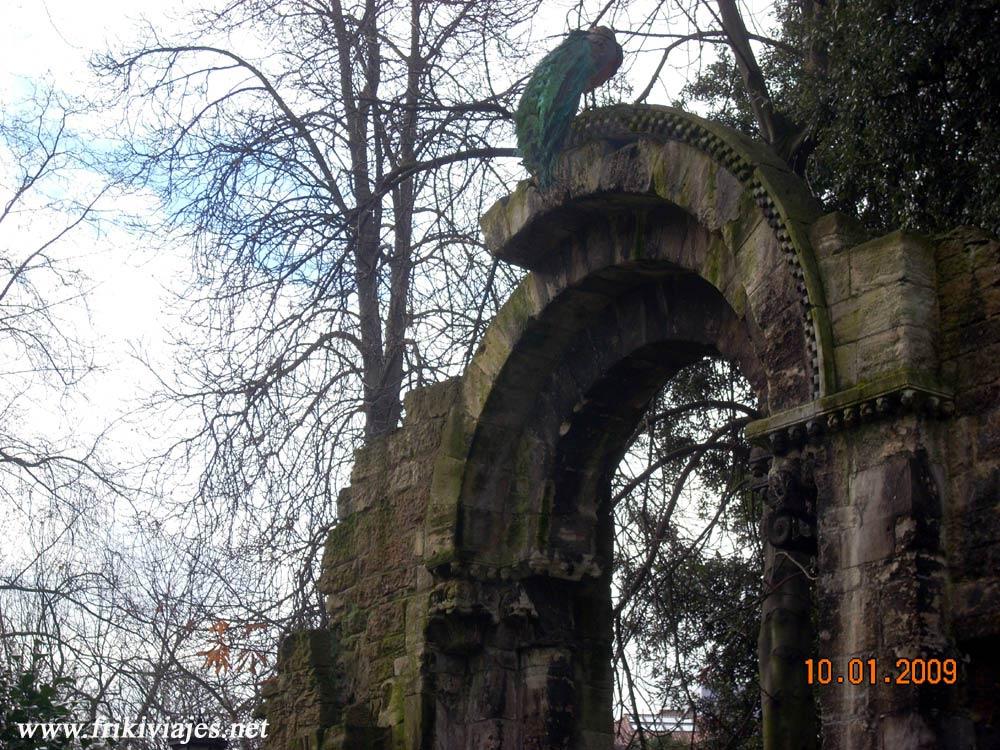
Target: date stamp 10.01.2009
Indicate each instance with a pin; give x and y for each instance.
(871, 672)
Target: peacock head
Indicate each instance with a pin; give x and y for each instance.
(607, 54)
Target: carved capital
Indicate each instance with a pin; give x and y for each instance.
(790, 513)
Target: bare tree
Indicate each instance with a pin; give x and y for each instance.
(55, 481)
(329, 162)
(687, 27)
(330, 181)
(42, 297)
(688, 560)
(96, 596)
(318, 178)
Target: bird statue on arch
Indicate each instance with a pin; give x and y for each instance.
(584, 61)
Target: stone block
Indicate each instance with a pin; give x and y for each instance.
(896, 258)
(737, 233)
(911, 347)
(626, 169)
(385, 619)
(833, 233)
(909, 729)
(762, 266)
(845, 357)
(431, 401)
(978, 367)
(883, 308)
(975, 335)
(836, 277)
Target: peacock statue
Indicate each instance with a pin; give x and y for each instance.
(583, 61)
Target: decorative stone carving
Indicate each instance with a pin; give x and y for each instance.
(881, 400)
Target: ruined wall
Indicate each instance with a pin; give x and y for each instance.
(467, 580)
(357, 684)
(968, 275)
(904, 458)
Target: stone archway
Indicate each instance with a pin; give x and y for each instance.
(468, 581)
(636, 213)
(663, 246)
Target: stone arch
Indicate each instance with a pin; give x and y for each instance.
(665, 231)
(666, 239)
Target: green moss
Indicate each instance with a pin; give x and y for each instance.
(441, 557)
(739, 230)
(506, 329)
(446, 487)
(393, 645)
(712, 269)
(639, 249)
(544, 518)
(670, 177)
(339, 545)
(456, 436)
(355, 619)
(396, 713)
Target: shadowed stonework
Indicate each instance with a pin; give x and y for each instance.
(468, 580)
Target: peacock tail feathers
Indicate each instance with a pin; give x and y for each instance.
(550, 101)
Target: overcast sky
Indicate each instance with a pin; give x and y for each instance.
(49, 42)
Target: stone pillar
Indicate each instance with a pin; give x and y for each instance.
(883, 589)
(786, 632)
(549, 700)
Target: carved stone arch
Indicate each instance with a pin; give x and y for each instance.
(660, 244)
(664, 231)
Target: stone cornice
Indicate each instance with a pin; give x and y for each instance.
(902, 392)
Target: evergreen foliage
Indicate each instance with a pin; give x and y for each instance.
(695, 617)
(27, 697)
(897, 103)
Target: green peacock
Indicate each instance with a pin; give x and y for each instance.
(584, 61)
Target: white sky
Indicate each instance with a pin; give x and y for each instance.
(49, 42)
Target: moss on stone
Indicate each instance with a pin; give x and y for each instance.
(545, 516)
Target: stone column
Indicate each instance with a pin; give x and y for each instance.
(786, 632)
(884, 590)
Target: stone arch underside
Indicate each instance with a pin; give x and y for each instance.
(554, 429)
(661, 231)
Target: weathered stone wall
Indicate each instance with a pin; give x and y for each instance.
(358, 683)
(468, 580)
(968, 267)
(905, 460)
(968, 276)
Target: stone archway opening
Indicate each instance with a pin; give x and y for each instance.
(538, 521)
(658, 255)
(688, 566)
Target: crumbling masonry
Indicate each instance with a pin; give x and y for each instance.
(468, 580)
